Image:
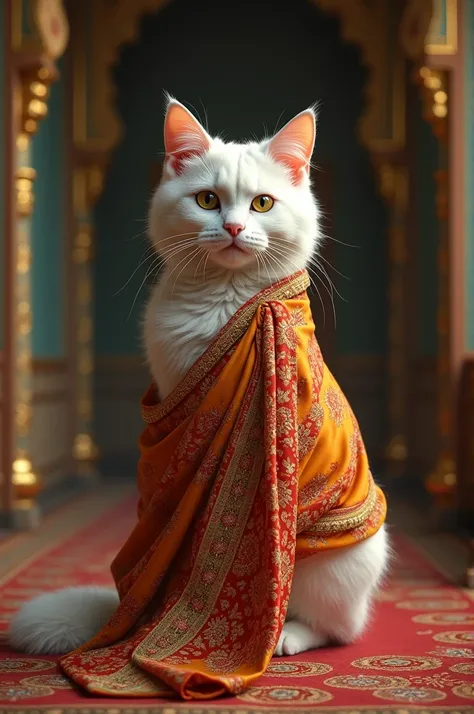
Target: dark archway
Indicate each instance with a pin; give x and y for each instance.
(269, 59)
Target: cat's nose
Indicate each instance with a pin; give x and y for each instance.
(234, 229)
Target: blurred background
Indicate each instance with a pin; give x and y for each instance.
(81, 114)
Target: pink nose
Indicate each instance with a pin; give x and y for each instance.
(234, 229)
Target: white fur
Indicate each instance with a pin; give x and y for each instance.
(58, 622)
(207, 276)
(202, 284)
(331, 595)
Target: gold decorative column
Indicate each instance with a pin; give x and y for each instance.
(31, 97)
(394, 188)
(441, 482)
(39, 35)
(88, 178)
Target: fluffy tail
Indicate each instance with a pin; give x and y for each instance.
(58, 622)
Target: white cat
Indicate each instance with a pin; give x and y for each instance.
(227, 220)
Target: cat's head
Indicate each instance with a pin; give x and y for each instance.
(242, 207)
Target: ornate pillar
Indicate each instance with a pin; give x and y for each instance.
(87, 185)
(37, 39)
(31, 97)
(441, 482)
(394, 188)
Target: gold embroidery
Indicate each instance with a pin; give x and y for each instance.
(343, 519)
(234, 329)
(336, 406)
(208, 591)
(214, 467)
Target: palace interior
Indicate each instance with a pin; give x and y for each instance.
(81, 115)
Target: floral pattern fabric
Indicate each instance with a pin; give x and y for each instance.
(254, 461)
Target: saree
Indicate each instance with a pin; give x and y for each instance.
(254, 461)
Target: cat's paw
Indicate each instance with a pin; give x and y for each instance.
(297, 637)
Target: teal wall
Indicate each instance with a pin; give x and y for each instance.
(49, 231)
(426, 239)
(294, 59)
(2, 167)
(469, 196)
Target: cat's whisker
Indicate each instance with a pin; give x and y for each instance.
(261, 262)
(176, 235)
(267, 265)
(330, 286)
(179, 244)
(326, 236)
(147, 274)
(323, 270)
(314, 262)
(202, 258)
(285, 257)
(286, 245)
(193, 255)
(196, 250)
(330, 291)
(289, 253)
(322, 304)
(158, 263)
(258, 266)
(171, 250)
(144, 260)
(145, 232)
(164, 261)
(328, 262)
(276, 260)
(322, 236)
(205, 265)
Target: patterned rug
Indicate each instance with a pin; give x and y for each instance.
(418, 655)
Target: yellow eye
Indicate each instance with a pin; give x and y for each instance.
(262, 204)
(207, 200)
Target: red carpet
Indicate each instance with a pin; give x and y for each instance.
(418, 655)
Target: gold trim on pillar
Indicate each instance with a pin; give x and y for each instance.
(441, 482)
(46, 25)
(25, 481)
(25, 201)
(393, 180)
(87, 185)
(34, 53)
(442, 36)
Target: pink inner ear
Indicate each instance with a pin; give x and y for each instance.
(184, 136)
(293, 145)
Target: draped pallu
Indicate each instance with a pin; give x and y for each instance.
(254, 461)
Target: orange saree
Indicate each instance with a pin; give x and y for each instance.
(253, 461)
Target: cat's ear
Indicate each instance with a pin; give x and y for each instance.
(293, 145)
(184, 136)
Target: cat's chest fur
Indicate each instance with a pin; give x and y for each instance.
(180, 324)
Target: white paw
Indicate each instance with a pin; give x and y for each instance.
(295, 638)
(58, 622)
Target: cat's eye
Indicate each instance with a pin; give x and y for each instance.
(207, 200)
(262, 204)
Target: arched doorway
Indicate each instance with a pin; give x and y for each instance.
(244, 97)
